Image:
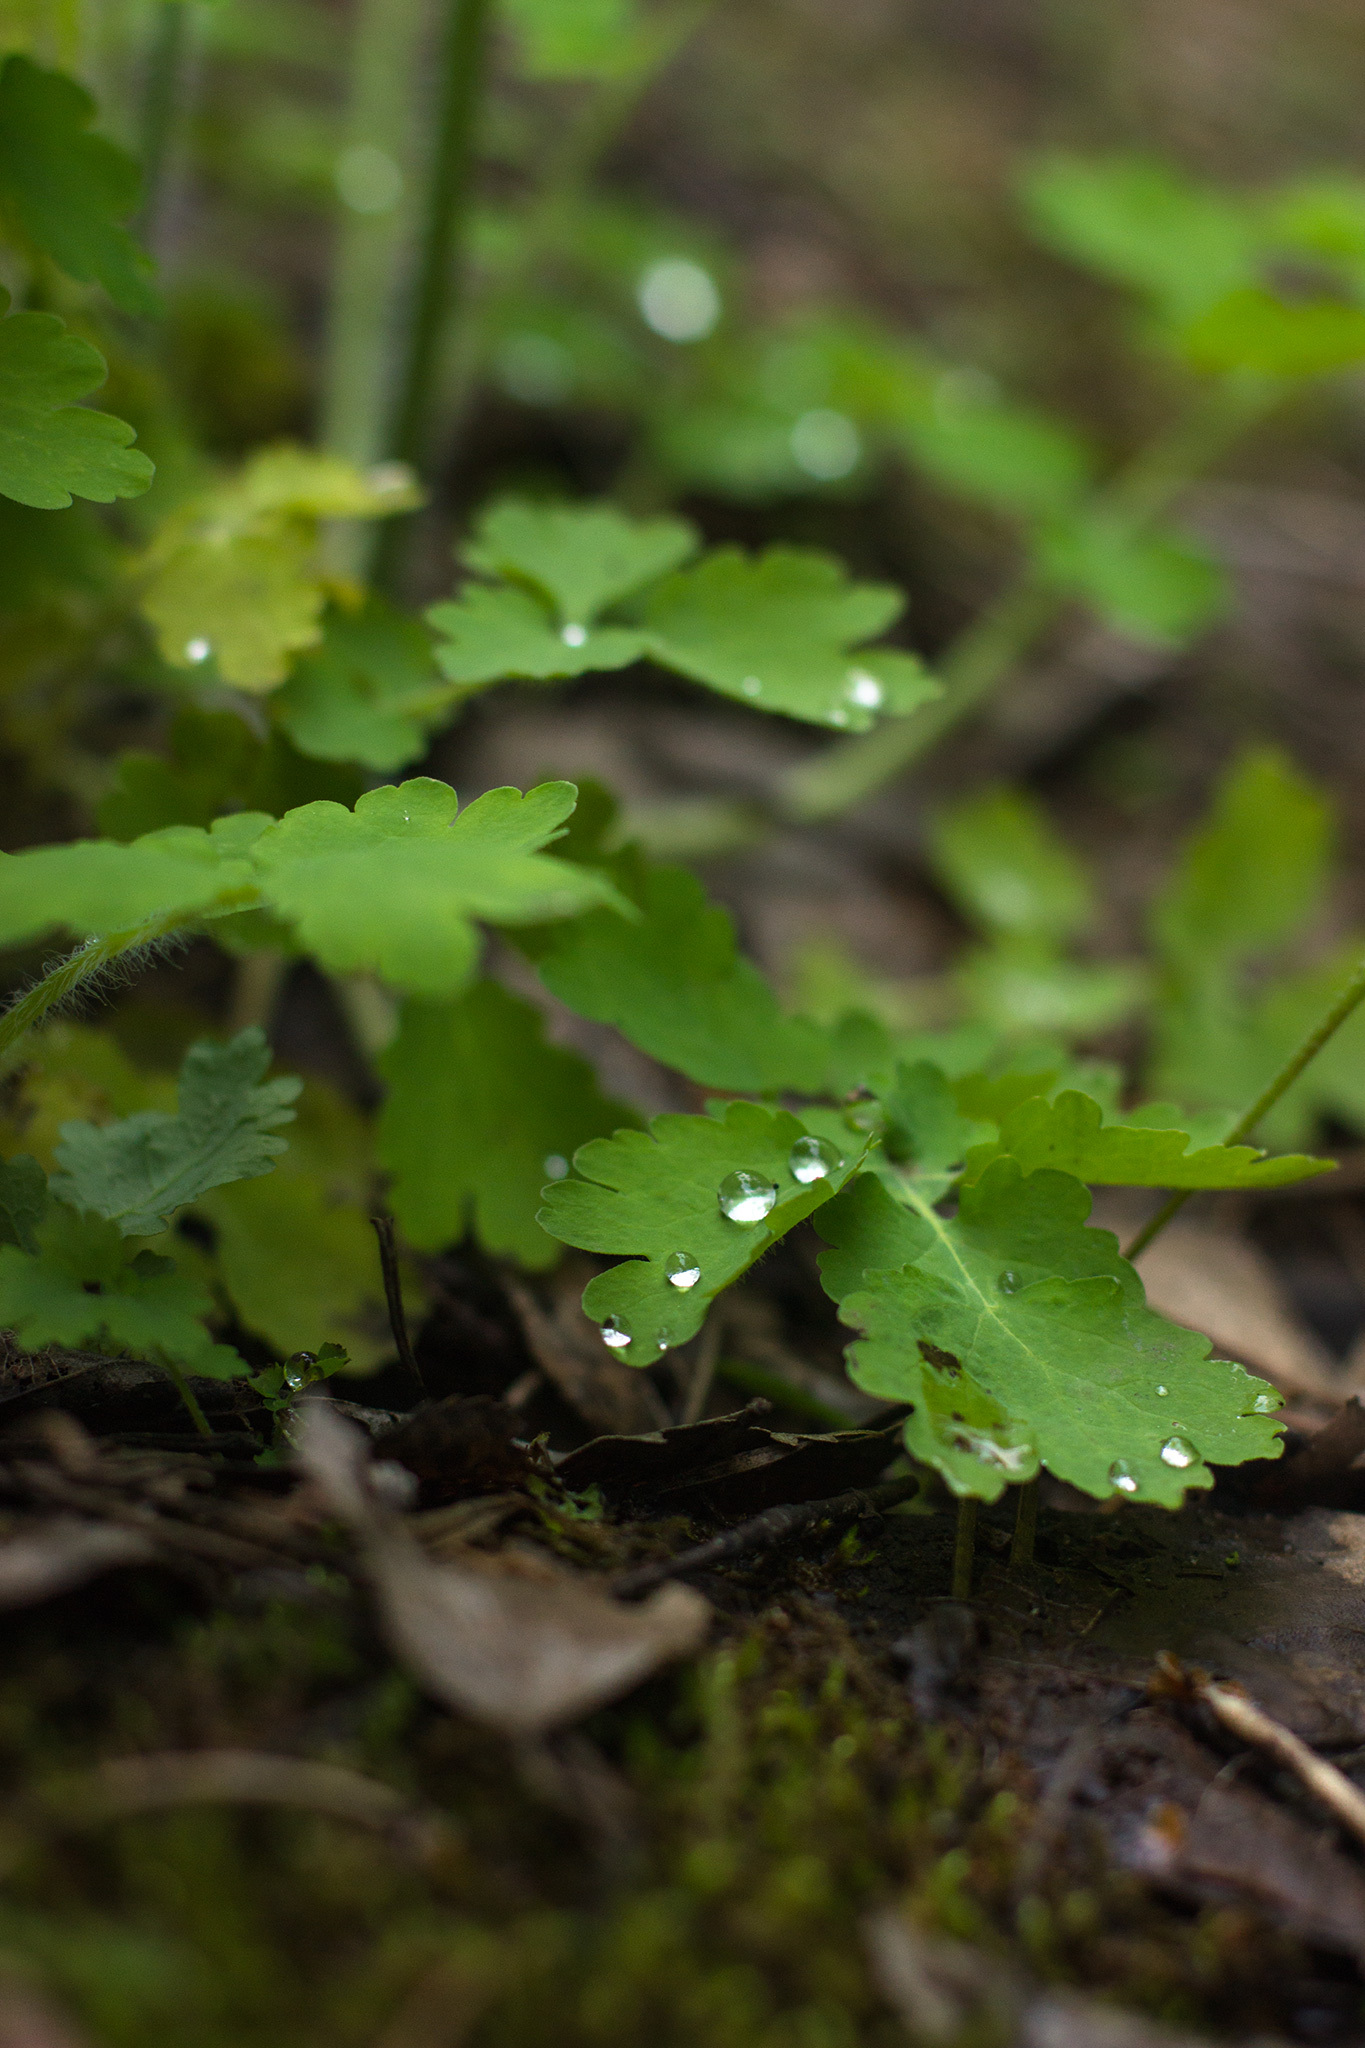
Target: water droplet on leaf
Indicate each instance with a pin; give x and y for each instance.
(556, 1166)
(1265, 1404)
(746, 1197)
(1122, 1476)
(1179, 1452)
(865, 690)
(1163, 1390)
(616, 1333)
(812, 1159)
(574, 636)
(1010, 1282)
(838, 717)
(683, 1270)
(198, 650)
(752, 687)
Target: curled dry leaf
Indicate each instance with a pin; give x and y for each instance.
(521, 1644)
(55, 1554)
(568, 1348)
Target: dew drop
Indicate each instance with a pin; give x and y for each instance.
(746, 1197)
(1179, 1452)
(812, 1159)
(1122, 1476)
(574, 636)
(198, 650)
(1264, 1404)
(1010, 1282)
(615, 1333)
(865, 690)
(752, 687)
(683, 1270)
(1163, 1390)
(838, 716)
(556, 1166)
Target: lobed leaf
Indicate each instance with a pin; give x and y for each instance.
(1006, 866)
(368, 693)
(137, 1172)
(1153, 584)
(1024, 1339)
(1147, 1148)
(51, 448)
(480, 1113)
(654, 1195)
(93, 887)
(23, 1200)
(581, 559)
(502, 631)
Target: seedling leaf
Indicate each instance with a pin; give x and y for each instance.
(654, 1195)
(1142, 1149)
(51, 448)
(137, 1172)
(492, 632)
(1026, 1310)
(93, 887)
(581, 559)
(369, 693)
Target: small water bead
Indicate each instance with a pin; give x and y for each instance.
(865, 690)
(556, 1166)
(838, 716)
(752, 687)
(683, 1270)
(746, 1197)
(1163, 1390)
(198, 650)
(1265, 1404)
(1122, 1476)
(1011, 1282)
(1179, 1452)
(615, 1333)
(1012, 1458)
(574, 636)
(812, 1159)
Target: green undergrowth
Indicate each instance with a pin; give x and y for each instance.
(690, 1869)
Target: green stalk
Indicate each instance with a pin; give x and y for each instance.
(182, 1387)
(161, 91)
(445, 215)
(994, 644)
(1348, 1001)
(70, 975)
(1025, 1527)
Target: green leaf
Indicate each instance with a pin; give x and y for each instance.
(233, 577)
(1021, 987)
(82, 1289)
(782, 632)
(1041, 1328)
(675, 984)
(93, 887)
(925, 1135)
(1254, 331)
(51, 448)
(1146, 1148)
(394, 886)
(215, 764)
(1136, 220)
(23, 1199)
(480, 1114)
(1007, 868)
(369, 693)
(491, 633)
(581, 559)
(655, 1196)
(295, 1249)
(574, 38)
(1019, 461)
(1153, 585)
(138, 1172)
(70, 191)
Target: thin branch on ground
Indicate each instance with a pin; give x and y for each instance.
(766, 1531)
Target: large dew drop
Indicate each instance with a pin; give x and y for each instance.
(1179, 1452)
(1122, 1476)
(865, 690)
(812, 1159)
(1010, 1282)
(1265, 1404)
(616, 1333)
(683, 1270)
(574, 636)
(746, 1197)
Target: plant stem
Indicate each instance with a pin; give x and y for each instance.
(445, 212)
(964, 1549)
(182, 1387)
(68, 976)
(1348, 1001)
(992, 646)
(393, 1296)
(1025, 1527)
(161, 90)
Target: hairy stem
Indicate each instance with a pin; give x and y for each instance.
(445, 212)
(1346, 1003)
(70, 976)
(161, 93)
(994, 644)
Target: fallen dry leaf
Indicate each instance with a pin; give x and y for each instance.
(568, 1348)
(516, 1641)
(56, 1554)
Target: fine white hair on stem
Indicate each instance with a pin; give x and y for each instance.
(92, 972)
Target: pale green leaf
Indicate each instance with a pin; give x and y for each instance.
(496, 631)
(1253, 331)
(1139, 1149)
(368, 693)
(575, 38)
(1008, 869)
(581, 559)
(783, 631)
(394, 886)
(23, 1199)
(655, 1196)
(1153, 584)
(1022, 462)
(137, 1172)
(480, 1114)
(1022, 987)
(70, 191)
(1045, 1329)
(93, 887)
(83, 1289)
(51, 448)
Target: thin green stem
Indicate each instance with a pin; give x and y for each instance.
(964, 1549)
(445, 213)
(1025, 1527)
(69, 975)
(187, 1395)
(1346, 1003)
(161, 92)
(994, 644)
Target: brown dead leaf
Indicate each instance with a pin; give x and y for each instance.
(57, 1553)
(517, 1641)
(568, 1348)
